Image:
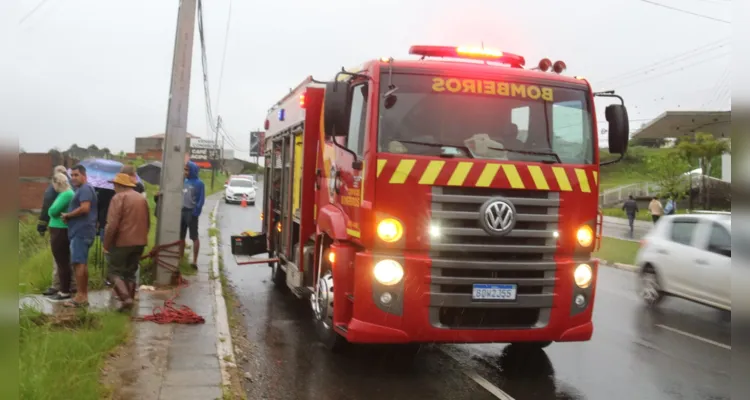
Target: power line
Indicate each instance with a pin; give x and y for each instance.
(672, 71)
(224, 56)
(706, 48)
(685, 11)
(32, 12)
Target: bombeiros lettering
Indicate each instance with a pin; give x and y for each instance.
(494, 88)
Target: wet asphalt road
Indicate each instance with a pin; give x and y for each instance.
(677, 352)
(618, 228)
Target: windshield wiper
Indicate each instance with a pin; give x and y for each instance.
(532, 153)
(464, 148)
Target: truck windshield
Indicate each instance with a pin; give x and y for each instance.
(539, 122)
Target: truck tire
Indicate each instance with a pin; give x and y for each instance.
(321, 302)
(530, 345)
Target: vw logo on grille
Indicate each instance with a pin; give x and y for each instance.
(497, 216)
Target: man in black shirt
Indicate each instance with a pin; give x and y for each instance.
(631, 209)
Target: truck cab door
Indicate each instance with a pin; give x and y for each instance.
(350, 180)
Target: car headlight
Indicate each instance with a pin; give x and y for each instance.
(388, 272)
(585, 236)
(390, 230)
(583, 275)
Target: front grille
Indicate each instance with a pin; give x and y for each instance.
(464, 254)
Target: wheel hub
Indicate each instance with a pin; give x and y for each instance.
(322, 299)
(649, 288)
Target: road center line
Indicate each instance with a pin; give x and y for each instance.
(696, 337)
(484, 383)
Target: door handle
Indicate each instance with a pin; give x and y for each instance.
(662, 251)
(701, 262)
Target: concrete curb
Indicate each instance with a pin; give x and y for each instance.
(224, 346)
(624, 267)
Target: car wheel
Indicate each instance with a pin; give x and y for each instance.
(649, 286)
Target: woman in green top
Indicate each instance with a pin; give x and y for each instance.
(58, 230)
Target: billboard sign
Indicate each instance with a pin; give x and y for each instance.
(256, 143)
(202, 144)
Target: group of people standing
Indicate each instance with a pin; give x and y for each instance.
(71, 214)
(74, 216)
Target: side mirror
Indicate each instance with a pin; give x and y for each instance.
(225, 185)
(335, 116)
(619, 128)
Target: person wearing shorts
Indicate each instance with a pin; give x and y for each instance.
(81, 219)
(193, 198)
(125, 238)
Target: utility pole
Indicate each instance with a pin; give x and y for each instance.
(216, 151)
(175, 137)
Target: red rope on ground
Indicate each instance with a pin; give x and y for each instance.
(169, 313)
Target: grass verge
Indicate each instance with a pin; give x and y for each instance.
(61, 357)
(617, 251)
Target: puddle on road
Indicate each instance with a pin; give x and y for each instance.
(98, 300)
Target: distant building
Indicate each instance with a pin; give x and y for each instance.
(156, 143)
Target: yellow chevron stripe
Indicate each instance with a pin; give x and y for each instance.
(353, 233)
(538, 176)
(431, 172)
(583, 180)
(596, 177)
(512, 174)
(381, 164)
(402, 171)
(459, 175)
(562, 179)
(488, 175)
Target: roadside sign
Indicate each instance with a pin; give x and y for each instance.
(256, 143)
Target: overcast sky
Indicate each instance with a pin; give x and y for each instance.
(97, 71)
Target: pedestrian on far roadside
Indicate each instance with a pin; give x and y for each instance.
(193, 198)
(82, 220)
(58, 231)
(631, 209)
(50, 194)
(671, 207)
(125, 238)
(656, 209)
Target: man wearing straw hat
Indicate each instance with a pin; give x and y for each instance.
(125, 237)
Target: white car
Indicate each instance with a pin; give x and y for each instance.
(237, 188)
(688, 256)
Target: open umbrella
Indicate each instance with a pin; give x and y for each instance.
(100, 171)
(150, 172)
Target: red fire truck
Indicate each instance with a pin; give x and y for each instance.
(452, 197)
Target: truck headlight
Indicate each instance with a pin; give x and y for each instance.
(585, 236)
(388, 272)
(390, 230)
(583, 275)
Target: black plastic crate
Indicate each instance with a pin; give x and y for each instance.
(249, 245)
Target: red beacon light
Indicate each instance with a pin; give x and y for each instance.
(472, 53)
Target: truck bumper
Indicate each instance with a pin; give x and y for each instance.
(414, 314)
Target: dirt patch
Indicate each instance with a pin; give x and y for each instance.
(120, 372)
(72, 319)
(241, 344)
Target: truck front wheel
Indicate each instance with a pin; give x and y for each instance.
(531, 345)
(321, 302)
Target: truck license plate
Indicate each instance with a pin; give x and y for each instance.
(482, 291)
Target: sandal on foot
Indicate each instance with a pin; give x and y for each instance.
(76, 304)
